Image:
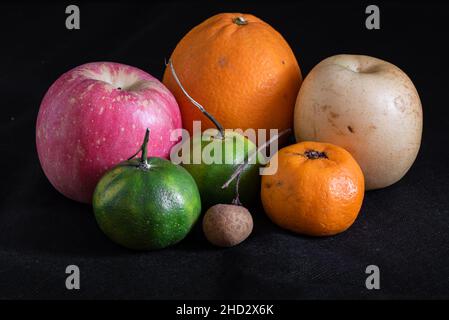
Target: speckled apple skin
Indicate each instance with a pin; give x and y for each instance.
(369, 107)
(95, 116)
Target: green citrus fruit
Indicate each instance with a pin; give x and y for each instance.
(220, 158)
(148, 206)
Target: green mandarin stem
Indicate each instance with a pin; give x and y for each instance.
(144, 157)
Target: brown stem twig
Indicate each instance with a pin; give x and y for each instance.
(144, 157)
(237, 173)
(195, 103)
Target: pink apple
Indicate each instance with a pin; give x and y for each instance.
(95, 116)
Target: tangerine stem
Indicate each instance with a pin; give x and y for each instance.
(237, 173)
(236, 200)
(313, 154)
(144, 157)
(199, 106)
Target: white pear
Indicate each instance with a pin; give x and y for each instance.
(368, 106)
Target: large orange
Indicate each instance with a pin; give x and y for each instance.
(317, 190)
(240, 69)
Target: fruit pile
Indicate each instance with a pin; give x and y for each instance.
(357, 121)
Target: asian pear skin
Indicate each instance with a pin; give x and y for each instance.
(94, 116)
(366, 105)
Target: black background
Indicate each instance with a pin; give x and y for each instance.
(404, 229)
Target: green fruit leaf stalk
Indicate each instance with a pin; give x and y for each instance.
(143, 148)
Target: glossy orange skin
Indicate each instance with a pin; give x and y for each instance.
(316, 197)
(246, 76)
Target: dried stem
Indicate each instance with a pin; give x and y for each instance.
(199, 106)
(237, 173)
(144, 157)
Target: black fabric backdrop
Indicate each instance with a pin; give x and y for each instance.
(403, 229)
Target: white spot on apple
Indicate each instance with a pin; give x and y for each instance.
(63, 122)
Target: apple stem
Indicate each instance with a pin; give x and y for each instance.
(144, 157)
(199, 106)
(238, 172)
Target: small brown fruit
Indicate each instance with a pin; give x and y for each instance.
(226, 225)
